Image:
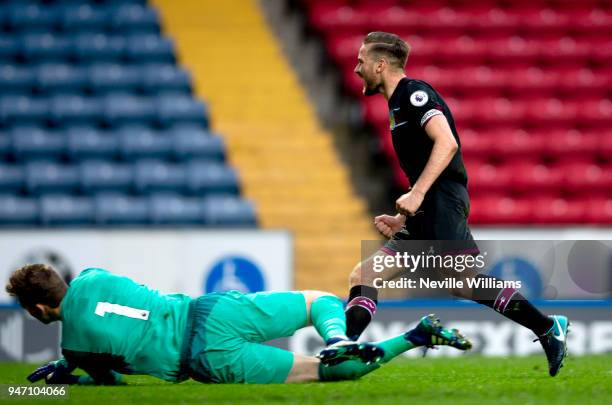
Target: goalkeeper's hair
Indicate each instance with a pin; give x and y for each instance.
(37, 284)
(394, 48)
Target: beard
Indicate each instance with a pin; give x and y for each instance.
(370, 89)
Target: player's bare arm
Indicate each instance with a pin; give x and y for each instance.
(444, 148)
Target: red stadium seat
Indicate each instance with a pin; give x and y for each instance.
(482, 80)
(530, 177)
(463, 111)
(570, 144)
(474, 50)
(376, 110)
(587, 81)
(498, 111)
(430, 73)
(445, 21)
(604, 142)
(512, 144)
(532, 81)
(333, 17)
(352, 82)
(500, 210)
(475, 144)
(477, 81)
(343, 47)
(584, 176)
(495, 19)
(384, 136)
(529, 80)
(595, 112)
(489, 178)
(545, 112)
(544, 20)
(592, 20)
(514, 49)
(566, 49)
(555, 210)
(574, 6)
(395, 19)
(599, 210)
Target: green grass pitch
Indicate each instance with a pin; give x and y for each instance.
(465, 380)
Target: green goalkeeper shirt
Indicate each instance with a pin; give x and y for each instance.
(110, 323)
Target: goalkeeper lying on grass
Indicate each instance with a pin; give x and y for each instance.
(112, 326)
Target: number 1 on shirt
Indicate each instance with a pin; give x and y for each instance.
(103, 308)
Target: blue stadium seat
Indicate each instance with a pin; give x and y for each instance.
(165, 77)
(21, 109)
(150, 48)
(32, 17)
(66, 210)
(77, 66)
(46, 177)
(104, 3)
(119, 209)
(61, 78)
(196, 143)
(154, 176)
(181, 109)
(4, 15)
(105, 78)
(175, 210)
(5, 145)
(46, 48)
(127, 109)
(227, 211)
(83, 18)
(205, 178)
(16, 79)
(98, 176)
(89, 143)
(12, 178)
(137, 142)
(9, 48)
(18, 211)
(34, 143)
(72, 109)
(89, 48)
(134, 18)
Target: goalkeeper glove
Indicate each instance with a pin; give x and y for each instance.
(55, 372)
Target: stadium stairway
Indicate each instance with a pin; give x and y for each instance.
(286, 161)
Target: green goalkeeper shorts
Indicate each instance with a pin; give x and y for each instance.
(227, 329)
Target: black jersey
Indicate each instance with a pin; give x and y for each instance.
(411, 106)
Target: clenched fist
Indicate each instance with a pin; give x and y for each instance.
(389, 225)
(409, 203)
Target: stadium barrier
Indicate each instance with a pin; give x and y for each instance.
(24, 339)
(491, 334)
(188, 261)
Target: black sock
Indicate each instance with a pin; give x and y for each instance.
(513, 305)
(360, 309)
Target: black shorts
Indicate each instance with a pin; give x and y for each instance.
(444, 216)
